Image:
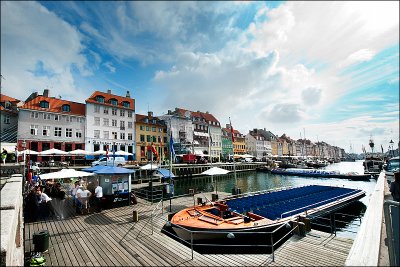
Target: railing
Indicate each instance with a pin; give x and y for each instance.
(392, 215)
(230, 234)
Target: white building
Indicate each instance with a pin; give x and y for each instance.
(110, 121)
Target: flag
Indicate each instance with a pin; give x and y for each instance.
(107, 152)
(171, 147)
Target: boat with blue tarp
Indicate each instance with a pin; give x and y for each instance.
(248, 215)
(322, 173)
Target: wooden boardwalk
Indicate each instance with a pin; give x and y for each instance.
(111, 238)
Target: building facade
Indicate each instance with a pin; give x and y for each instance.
(46, 122)
(110, 123)
(150, 131)
(9, 118)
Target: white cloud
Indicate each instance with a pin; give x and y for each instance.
(109, 66)
(358, 56)
(31, 34)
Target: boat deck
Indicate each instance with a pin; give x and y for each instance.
(111, 238)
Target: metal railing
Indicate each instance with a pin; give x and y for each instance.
(231, 234)
(391, 211)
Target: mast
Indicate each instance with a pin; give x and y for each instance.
(371, 144)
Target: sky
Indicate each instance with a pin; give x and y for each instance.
(328, 71)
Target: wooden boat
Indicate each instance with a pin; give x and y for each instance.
(322, 173)
(246, 216)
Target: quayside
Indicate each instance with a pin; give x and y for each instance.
(252, 218)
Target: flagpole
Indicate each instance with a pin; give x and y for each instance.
(234, 164)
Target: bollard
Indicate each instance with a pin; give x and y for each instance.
(135, 216)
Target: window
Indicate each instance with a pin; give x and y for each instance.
(147, 128)
(105, 110)
(129, 114)
(44, 104)
(122, 136)
(66, 108)
(154, 138)
(68, 132)
(114, 123)
(56, 117)
(130, 124)
(7, 105)
(96, 109)
(78, 133)
(68, 118)
(153, 129)
(113, 101)
(122, 125)
(114, 111)
(34, 115)
(114, 135)
(165, 139)
(96, 134)
(105, 122)
(122, 113)
(96, 121)
(46, 131)
(34, 129)
(100, 99)
(142, 138)
(130, 136)
(126, 104)
(7, 119)
(141, 127)
(160, 130)
(46, 116)
(81, 120)
(57, 131)
(148, 138)
(106, 134)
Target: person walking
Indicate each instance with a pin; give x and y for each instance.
(99, 194)
(395, 187)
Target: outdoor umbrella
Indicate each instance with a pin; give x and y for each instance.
(98, 152)
(149, 167)
(78, 152)
(163, 173)
(215, 171)
(123, 153)
(65, 173)
(28, 152)
(52, 152)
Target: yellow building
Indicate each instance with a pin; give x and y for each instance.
(150, 131)
(239, 146)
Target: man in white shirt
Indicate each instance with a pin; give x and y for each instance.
(99, 194)
(83, 196)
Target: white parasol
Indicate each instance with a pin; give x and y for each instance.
(215, 171)
(52, 152)
(65, 173)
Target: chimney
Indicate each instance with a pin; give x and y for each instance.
(46, 92)
(128, 94)
(169, 112)
(228, 126)
(150, 114)
(265, 130)
(109, 91)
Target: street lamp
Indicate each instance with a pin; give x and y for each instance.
(391, 147)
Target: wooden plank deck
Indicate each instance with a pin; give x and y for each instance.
(111, 238)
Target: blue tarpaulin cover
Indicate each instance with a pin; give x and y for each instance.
(108, 170)
(165, 173)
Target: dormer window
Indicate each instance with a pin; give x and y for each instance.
(126, 104)
(113, 101)
(7, 105)
(66, 108)
(100, 99)
(44, 104)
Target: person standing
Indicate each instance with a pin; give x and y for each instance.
(4, 155)
(99, 194)
(395, 187)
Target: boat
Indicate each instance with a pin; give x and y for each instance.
(373, 162)
(322, 173)
(246, 217)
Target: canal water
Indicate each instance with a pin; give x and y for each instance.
(255, 181)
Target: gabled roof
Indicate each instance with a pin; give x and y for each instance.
(4, 98)
(55, 105)
(141, 118)
(197, 114)
(108, 96)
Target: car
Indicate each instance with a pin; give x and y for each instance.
(393, 165)
(110, 161)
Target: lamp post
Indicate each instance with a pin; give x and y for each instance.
(391, 147)
(24, 156)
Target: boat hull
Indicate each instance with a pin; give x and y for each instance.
(357, 177)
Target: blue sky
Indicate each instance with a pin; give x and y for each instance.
(329, 69)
